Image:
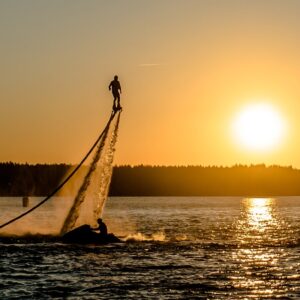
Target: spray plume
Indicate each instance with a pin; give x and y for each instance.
(97, 181)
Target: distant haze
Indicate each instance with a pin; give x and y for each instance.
(186, 68)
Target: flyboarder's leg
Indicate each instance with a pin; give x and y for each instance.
(119, 105)
(115, 106)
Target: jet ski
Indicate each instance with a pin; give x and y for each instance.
(85, 235)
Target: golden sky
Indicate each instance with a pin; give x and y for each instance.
(187, 67)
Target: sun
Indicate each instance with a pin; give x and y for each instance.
(258, 127)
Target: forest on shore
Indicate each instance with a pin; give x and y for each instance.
(238, 180)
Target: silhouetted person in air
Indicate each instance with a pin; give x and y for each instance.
(115, 87)
(102, 227)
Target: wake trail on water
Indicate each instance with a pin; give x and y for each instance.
(95, 186)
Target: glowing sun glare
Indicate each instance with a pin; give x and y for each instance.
(259, 127)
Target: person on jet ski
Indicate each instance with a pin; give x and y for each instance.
(102, 227)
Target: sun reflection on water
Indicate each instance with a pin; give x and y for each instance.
(259, 212)
(258, 223)
(257, 229)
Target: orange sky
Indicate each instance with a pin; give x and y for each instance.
(186, 69)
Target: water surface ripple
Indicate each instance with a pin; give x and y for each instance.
(176, 248)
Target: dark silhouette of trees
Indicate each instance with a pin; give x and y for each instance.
(238, 180)
(31, 180)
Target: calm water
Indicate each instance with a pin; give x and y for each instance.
(176, 248)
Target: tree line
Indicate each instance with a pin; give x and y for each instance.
(238, 180)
